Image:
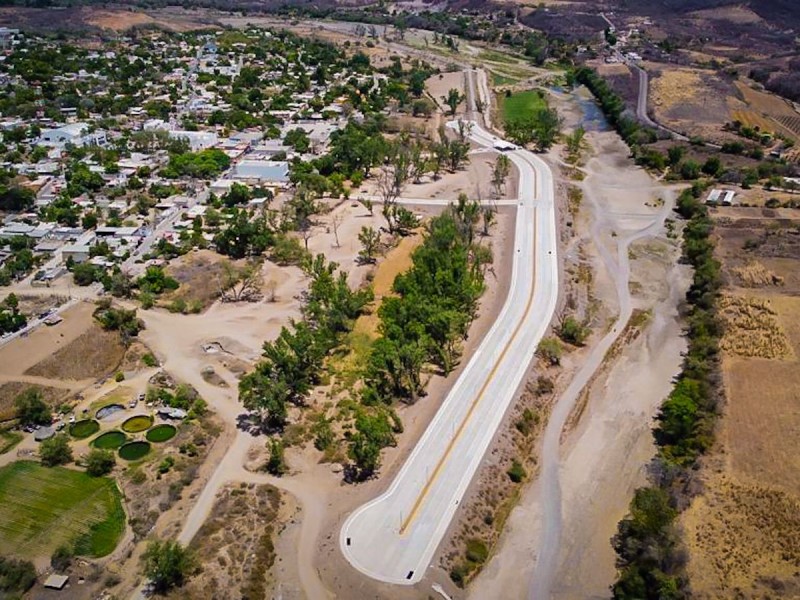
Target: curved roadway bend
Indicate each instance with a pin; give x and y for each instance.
(393, 537)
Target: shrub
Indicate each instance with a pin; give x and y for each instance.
(16, 576)
(61, 559)
(167, 564)
(573, 332)
(477, 552)
(517, 472)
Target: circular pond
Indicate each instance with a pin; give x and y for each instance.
(161, 433)
(83, 429)
(109, 410)
(110, 440)
(134, 450)
(137, 423)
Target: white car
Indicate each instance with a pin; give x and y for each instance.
(72, 418)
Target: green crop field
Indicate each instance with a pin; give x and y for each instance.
(521, 104)
(42, 508)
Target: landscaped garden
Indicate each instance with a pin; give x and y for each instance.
(137, 424)
(83, 429)
(134, 450)
(42, 508)
(110, 440)
(161, 433)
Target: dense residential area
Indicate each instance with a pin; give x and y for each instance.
(399, 300)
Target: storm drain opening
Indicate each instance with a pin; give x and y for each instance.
(348, 541)
(410, 575)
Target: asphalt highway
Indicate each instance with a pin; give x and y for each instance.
(393, 537)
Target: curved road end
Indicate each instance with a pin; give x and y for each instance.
(393, 537)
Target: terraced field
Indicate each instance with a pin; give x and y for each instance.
(42, 508)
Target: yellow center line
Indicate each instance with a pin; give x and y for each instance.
(421, 497)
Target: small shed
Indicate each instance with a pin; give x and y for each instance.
(56, 582)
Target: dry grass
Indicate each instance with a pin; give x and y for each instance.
(691, 100)
(754, 274)
(9, 391)
(94, 354)
(397, 261)
(743, 538)
(752, 329)
(199, 274)
(235, 544)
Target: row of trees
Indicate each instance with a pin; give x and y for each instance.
(423, 323)
(650, 565)
(292, 364)
(612, 105)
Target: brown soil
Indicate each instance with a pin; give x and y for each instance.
(94, 354)
(23, 353)
(236, 544)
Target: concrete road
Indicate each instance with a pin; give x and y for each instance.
(393, 537)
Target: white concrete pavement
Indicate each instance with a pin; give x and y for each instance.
(393, 537)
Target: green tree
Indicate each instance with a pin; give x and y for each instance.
(55, 451)
(276, 465)
(370, 242)
(99, 462)
(453, 99)
(500, 173)
(373, 432)
(167, 564)
(31, 408)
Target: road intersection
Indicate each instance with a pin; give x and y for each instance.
(393, 537)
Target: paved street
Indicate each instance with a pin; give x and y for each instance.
(393, 538)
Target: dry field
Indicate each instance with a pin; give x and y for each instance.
(742, 533)
(766, 111)
(752, 329)
(690, 100)
(92, 355)
(744, 541)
